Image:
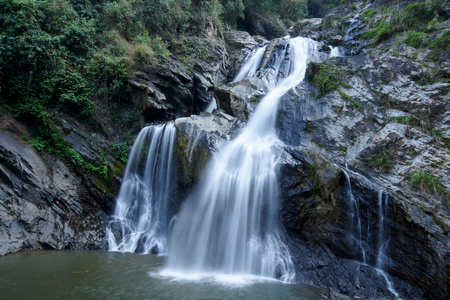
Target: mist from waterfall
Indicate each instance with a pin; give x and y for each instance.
(140, 220)
(229, 224)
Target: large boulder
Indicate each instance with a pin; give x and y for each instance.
(264, 24)
(239, 99)
(198, 138)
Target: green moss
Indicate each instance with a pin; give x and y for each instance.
(338, 148)
(180, 151)
(347, 98)
(318, 186)
(119, 168)
(325, 78)
(254, 100)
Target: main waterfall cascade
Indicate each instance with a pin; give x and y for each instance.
(140, 221)
(229, 225)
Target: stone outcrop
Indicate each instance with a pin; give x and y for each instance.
(198, 138)
(169, 90)
(264, 24)
(385, 123)
(44, 206)
(51, 203)
(386, 104)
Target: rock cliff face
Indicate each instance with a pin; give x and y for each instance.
(385, 119)
(45, 203)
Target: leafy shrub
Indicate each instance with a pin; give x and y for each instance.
(120, 152)
(427, 183)
(160, 47)
(440, 43)
(414, 39)
(325, 78)
(417, 17)
(143, 55)
(382, 160)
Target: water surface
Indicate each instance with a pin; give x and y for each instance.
(112, 275)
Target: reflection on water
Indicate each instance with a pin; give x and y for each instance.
(111, 275)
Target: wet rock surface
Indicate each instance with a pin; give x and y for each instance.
(314, 212)
(382, 112)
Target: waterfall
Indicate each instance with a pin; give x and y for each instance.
(252, 63)
(383, 210)
(229, 225)
(335, 51)
(382, 242)
(355, 219)
(355, 230)
(140, 220)
(212, 105)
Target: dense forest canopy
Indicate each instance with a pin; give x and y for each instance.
(75, 56)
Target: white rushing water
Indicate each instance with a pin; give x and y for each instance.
(355, 230)
(251, 66)
(229, 225)
(355, 219)
(335, 51)
(140, 220)
(212, 105)
(382, 242)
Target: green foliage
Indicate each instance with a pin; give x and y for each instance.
(382, 160)
(440, 43)
(315, 178)
(420, 13)
(427, 183)
(101, 170)
(43, 48)
(294, 10)
(414, 39)
(408, 120)
(319, 8)
(233, 10)
(368, 13)
(132, 17)
(416, 18)
(325, 78)
(120, 152)
(347, 98)
(385, 28)
(159, 46)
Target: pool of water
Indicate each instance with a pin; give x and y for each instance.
(111, 275)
